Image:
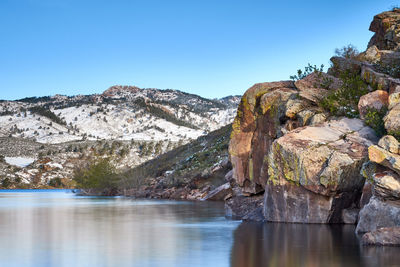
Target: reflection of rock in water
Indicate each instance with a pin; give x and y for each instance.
(278, 244)
(380, 256)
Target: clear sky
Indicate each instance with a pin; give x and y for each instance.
(212, 48)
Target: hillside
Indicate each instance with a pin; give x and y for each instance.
(42, 139)
(120, 113)
(190, 171)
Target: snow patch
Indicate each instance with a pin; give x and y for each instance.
(19, 161)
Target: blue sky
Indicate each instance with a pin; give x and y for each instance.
(212, 48)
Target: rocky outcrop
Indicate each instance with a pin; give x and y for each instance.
(314, 172)
(257, 122)
(383, 209)
(388, 236)
(387, 30)
(266, 112)
(316, 168)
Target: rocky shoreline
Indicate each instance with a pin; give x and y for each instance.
(296, 161)
(322, 148)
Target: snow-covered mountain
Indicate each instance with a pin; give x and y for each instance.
(44, 139)
(120, 113)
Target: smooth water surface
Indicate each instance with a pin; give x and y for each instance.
(57, 228)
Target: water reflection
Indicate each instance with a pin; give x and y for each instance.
(52, 228)
(273, 244)
(58, 229)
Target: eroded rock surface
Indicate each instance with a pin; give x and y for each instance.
(314, 171)
(266, 112)
(387, 30)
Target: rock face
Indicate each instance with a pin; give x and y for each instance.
(388, 236)
(266, 112)
(387, 30)
(316, 168)
(257, 122)
(314, 172)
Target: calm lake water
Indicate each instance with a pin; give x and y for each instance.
(57, 228)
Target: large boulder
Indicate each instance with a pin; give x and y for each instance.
(268, 111)
(314, 172)
(387, 236)
(377, 100)
(386, 26)
(377, 214)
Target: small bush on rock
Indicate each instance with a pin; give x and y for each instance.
(344, 101)
(349, 51)
(307, 71)
(390, 68)
(374, 119)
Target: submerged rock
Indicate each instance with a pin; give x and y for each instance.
(388, 236)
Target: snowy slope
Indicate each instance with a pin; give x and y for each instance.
(120, 113)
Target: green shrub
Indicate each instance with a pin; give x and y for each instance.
(56, 182)
(6, 182)
(98, 174)
(344, 101)
(47, 113)
(390, 68)
(349, 51)
(374, 119)
(307, 71)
